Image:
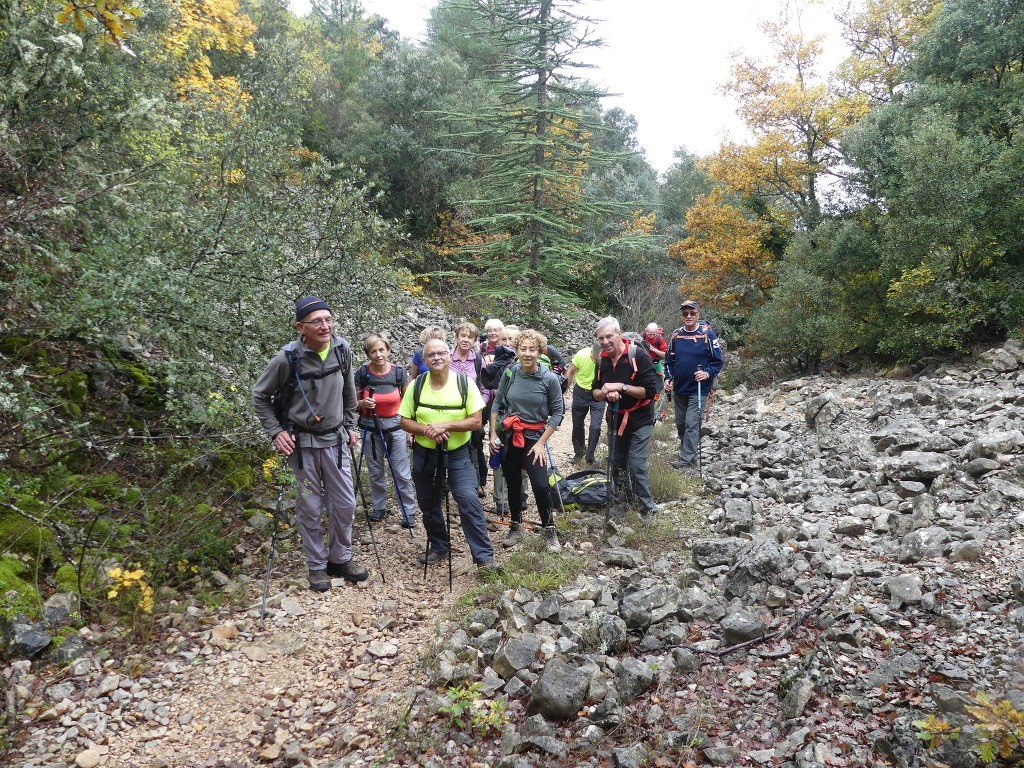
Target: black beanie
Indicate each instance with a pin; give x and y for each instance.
(308, 304)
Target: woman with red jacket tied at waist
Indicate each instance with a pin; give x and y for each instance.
(388, 383)
(529, 408)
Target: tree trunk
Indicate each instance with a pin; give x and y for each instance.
(537, 232)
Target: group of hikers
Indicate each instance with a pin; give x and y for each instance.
(489, 402)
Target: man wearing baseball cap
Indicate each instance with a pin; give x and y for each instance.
(314, 425)
(695, 359)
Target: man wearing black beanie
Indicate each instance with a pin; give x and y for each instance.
(316, 420)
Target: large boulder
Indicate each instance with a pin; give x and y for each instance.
(605, 633)
(632, 678)
(922, 544)
(560, 691)
(23, 639)
(647, 606)
(740, 626)
(918, 465)
(712, 552)
(518, 653)
(822, 410)
(993, 444)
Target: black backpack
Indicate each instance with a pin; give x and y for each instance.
(281, 400)
(490, 376)
(587, 489)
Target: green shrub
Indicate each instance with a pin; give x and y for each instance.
(17, 593)
(20, 536)
(667, 483)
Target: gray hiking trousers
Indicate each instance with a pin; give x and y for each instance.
(321, 483)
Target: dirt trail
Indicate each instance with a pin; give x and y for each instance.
(222, 691)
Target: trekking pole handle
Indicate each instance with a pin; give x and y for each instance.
(368, 394)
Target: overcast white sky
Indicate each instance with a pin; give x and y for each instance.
(665, 59)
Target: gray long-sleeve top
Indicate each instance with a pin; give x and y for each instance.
(533, 397)
(333, 397)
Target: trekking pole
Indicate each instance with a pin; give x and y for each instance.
(557, 478)
(394, 478)
(443, 466)
(700, 471)
(613, 408)
(270, 557)
(361, 492)
(440, 487)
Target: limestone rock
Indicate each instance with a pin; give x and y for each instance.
(560, 691)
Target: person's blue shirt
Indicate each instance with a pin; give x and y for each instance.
(690, 351)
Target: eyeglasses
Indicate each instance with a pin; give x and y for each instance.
(432, 355)
(323, 321)
(689, 313)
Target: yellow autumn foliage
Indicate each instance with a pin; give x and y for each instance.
(881, 33)
(204, 26)
(640, 224)
(725, 254)
(116, 17)
(796, 116)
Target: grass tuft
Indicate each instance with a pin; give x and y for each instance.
(529, 566)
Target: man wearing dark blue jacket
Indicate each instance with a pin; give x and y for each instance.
(694, 358)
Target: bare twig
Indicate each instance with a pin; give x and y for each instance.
(779, 633)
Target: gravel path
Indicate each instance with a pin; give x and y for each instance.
(224, 691)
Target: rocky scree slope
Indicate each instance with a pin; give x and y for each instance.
(860, 571)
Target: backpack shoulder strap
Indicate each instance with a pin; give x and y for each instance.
(463, 383)
(505, 381)
(341, 352)
(362, 377)
(631, 355)
(292, 355)
(417, 389)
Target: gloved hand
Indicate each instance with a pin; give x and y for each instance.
(646, 345)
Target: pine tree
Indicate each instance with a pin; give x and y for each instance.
(535, 148)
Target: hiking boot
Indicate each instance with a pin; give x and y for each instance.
(502, 511)
(514, 535)
(432, 556)
(680, 464)
(488, 566)
(591, 461)
(409, 524)
(577, 459)
(647, 518)
(350, 570)
(319, 581)
(376, 515)
(551, 539)
(481, 492)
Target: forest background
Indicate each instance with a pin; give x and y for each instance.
(174, 173)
